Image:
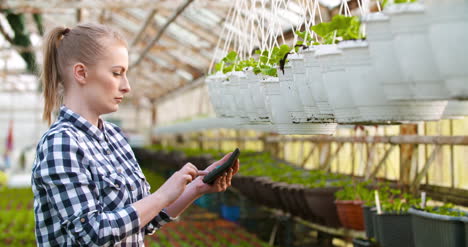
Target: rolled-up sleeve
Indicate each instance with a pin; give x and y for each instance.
(157, 222)
(74, 195)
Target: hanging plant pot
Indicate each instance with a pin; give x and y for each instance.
(434, 230)
(280, 117)
(304, 90)
(414, 53)
(388, 76)
(350, 214)
(290, 94)
(320, 201)
(234, 87)
(456, 109)
(256, 111)
(336, 84)
(395, 230)
(448, 37)
(213, 82)
(314, 81)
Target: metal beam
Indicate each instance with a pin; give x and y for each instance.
(147, 22)
(161, 31)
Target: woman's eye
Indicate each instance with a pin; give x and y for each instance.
(116, 73)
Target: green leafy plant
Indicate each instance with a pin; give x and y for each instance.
(385, 2)
(356, 192)
(228, 63)
(338, 29)
(446, 209)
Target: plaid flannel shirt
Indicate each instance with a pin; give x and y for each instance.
(85, 180)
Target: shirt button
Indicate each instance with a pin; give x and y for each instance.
(119, 170)
(82, 220)
(117, 185)
(132, 188)
(109, 152)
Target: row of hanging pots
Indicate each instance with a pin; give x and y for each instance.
(407, 70)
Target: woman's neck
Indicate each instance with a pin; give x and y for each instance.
(78, 106)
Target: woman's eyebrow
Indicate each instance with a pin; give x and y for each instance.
(119, 66)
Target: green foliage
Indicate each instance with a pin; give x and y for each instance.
(155, 180)
(306, 39)
(21, 38)
(228, 63)
(39, 23)
(338, 29)
(385, 2)
(446, 209)
(3, 179)
(356, 191)
(16, 217)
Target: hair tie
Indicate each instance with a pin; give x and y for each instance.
(67, 30)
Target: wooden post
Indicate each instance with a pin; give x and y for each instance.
(407, 153)
(154, 118)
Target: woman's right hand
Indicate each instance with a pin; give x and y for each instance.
(176, 184)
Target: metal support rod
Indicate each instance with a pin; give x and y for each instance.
(161, 32)
(148, 20)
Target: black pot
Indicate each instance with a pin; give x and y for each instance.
(434, 230)
(368, 220)
(395, 230)
(321, 202)
(357, 242)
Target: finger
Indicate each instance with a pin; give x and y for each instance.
(190, 170)
(236, 167)
(187, 178)
(203, 173)
(226, 181)
(229, 177)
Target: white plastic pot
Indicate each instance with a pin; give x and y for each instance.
(290, 94)
(280, 116)
(304, 91)
(414, 53)
(213, 82)
(335, 82)
(314, 81)
(258, 97)
(235, 78)
(448, 34)
(456, 109)
(388, 75)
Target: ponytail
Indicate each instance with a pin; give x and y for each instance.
(51, 78)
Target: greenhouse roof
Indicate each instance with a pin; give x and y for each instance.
(171, 43)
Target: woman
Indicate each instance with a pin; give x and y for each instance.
(88, 188)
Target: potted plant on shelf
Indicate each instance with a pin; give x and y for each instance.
(349, 201)
(393, 225)
(438, 226)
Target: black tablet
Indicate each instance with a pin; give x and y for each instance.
(220, 170)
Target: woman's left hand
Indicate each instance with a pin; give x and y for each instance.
(222, 182)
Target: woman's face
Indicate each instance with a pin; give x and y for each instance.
(107, 80)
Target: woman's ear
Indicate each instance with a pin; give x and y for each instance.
(80, 73)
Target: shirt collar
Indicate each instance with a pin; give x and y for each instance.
(83, 124)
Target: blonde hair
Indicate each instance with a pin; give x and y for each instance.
(63, 46)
